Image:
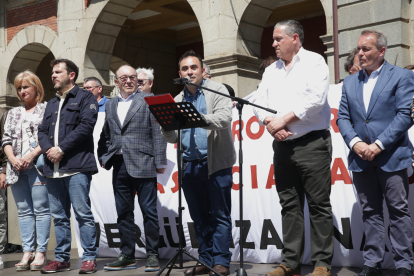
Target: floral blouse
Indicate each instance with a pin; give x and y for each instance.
(13, 134)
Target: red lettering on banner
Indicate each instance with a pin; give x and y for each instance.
(236, 131)
(334, 112)
(343, 174)
(160, 188)
(175, 179)
(254, 136)
(236, 187)
(270, 179)
(175, 145)
(253, 169)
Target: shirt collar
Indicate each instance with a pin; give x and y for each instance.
(198, 91)
(102, 101)
(130, 97)
(375, 73)
(64, 94)
(295, 58)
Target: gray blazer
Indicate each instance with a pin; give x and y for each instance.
(139, 137)
(220, 144)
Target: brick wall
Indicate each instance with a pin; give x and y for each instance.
(38, 13)
(312, 27)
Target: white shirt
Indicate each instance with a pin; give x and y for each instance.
(123, 107)
(56, 173)
(302, 89)
(369, 85)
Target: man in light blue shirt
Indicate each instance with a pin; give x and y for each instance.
(95, 86)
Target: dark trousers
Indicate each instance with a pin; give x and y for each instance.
(302, 167)
(373, 185)
(125, 188)
(209, 203)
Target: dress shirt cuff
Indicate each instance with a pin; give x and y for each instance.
(378, 142)
(353, 142)
(159, 166)
(300, 112)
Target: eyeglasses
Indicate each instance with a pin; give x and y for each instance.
(90, 87)
(125, 78)
(141, 81)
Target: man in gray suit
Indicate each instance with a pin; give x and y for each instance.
(131, 142)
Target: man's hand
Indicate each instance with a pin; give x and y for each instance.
(372, 151)
(273, 125)
(3, 184)
(54, 155)
(361, 148)
(102, 164)
(161, 170)
(282, 134)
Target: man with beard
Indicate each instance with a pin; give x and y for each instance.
(131, 142)
(66, 139)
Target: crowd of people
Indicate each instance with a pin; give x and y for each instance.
(48, 157)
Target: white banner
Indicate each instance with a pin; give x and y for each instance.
(262, 211)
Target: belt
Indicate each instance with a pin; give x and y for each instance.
(196, 160)
(306, 136)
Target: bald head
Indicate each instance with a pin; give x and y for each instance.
(126, 80)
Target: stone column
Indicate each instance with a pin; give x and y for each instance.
(390, 17)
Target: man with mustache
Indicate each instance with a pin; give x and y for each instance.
(66, 139)
(131, 142)
(297, 86)
(373, 118)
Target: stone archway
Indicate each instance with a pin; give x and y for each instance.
(142, 34)
(32, 49)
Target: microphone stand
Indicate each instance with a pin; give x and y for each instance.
(240, 104)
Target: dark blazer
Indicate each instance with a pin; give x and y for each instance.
(387, 119)
(77, 121)
(139, 137)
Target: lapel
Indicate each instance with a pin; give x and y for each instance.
(114, 109)
(137, 102)
(383, 78)
(360, 91)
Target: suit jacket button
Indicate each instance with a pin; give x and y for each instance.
(56, 112)
(51, 137)
(53, 124)
(367, 121)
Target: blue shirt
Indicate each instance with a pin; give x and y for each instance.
(194, 140)
(102, 103)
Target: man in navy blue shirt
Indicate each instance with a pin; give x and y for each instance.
(95, 86)
(66, 139)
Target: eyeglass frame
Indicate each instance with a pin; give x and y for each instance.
(91, 87)
(134, 77)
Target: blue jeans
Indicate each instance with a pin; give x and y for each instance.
(30, 194)
(62, 192)
(209, 203)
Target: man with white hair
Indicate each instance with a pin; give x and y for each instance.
(145, 79)
(206, 72)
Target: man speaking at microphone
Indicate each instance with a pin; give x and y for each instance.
(209, 156)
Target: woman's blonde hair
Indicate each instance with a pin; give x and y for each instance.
(32, 79)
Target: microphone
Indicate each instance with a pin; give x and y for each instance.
(182, 80)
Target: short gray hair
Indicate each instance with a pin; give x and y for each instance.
(96, 80)
(350, 59)
(292, 27)
(148, 72)
(381, 38)
(207, 69)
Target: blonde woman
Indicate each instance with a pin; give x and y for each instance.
(29, 189)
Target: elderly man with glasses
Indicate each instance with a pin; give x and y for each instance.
(95, 86)
(145, 79)
(131, 142)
